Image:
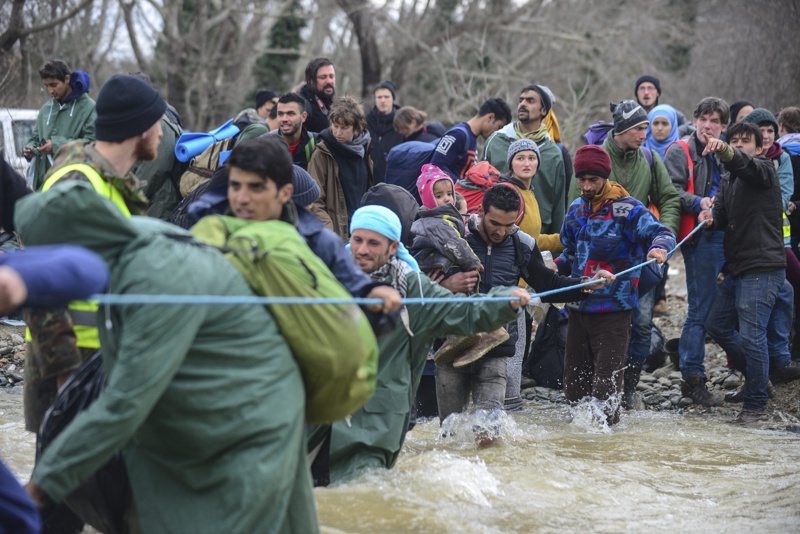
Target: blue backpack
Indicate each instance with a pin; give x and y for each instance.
(404, 162)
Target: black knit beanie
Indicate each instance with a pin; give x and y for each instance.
(263, 96)
(386, 84)
(126, 107)
(647, 78)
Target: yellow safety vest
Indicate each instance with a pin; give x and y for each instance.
(84, 312)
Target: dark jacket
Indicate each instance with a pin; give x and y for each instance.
(429, 133)
(678, 169)
(317, 107)
(308, 143)
(748, 207)
(12, 188)
(384, 138)
(504, 264)
(439, 242)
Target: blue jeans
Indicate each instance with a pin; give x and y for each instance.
(779, 330)
(641, 328)
(752, 299)
(704, 261)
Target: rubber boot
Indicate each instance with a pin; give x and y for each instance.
(631, 400)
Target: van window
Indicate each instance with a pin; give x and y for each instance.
(22, 131)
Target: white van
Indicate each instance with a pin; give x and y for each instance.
(16, 127)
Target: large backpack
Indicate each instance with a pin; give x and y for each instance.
(404, 162)
(478, 179)
(333, 344)
(202, 167)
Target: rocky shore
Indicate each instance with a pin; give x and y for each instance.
(12, 356)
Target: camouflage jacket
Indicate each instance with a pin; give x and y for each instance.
(51, 351)
(84, 152)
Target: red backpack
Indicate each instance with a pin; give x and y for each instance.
(478, 179)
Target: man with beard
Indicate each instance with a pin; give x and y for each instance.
(128, 130)
(551, 180)
(318, 92)
(291, 127)
(374, 435)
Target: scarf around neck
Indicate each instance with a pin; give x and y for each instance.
(611, 191)
(537, 136)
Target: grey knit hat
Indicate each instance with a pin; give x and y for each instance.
(628, 114)
(518, 146)
(306, 189)
(762, 117)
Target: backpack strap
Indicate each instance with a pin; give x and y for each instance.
(519, 255)
(311, 145)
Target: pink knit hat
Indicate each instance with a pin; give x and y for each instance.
(430, 175)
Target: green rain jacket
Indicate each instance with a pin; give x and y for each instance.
(374, 435)
(62, 124)
(630, 169)
(205, 401)
(548, 184)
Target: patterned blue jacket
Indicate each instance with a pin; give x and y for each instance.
(615, 237)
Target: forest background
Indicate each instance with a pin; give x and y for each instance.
(208, 57)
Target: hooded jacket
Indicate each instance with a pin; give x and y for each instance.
(642, 181)
(330, 167)
(614, 233)
(205, 401)
(317, 107)
(60, 122)
(550, 182)
(439, 241)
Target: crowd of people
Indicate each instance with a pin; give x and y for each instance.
(200, 421)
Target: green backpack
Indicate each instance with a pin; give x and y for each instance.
(333, 343)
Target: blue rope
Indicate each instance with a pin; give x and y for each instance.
(109, 299)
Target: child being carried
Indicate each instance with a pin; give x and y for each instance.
(440, 248)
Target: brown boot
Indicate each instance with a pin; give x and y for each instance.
(487, 341)
(453, 347)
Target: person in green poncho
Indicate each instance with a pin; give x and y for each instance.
(374, 435)
(205, 402)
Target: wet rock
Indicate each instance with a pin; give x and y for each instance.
(14, 377)
(647, 379)
(11, 368)
(685, 401)
(16, 339)
(665, 382)
(663, 372)
(3, 381)
(731, 382)
(676, 374)
(666, 405)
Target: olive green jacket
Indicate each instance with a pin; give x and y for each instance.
(205, 401)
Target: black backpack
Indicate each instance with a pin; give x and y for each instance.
(545, 360)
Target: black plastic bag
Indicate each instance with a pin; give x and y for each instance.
(103, 499)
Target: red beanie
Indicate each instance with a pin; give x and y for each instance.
(592, 159)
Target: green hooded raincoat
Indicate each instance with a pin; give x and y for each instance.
(374, 435)
(205, 401)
